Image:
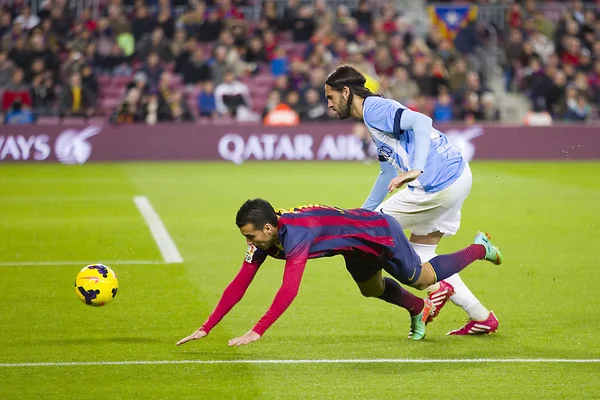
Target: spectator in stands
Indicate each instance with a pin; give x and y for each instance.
(76, 99)
(130, 110)
(115, 62)
(256, 52)
(210, 29)
(472, 85)
(290, 15)
(273, 100)
(313, 109)
(17, 83)
(280, 62)
(207, 106)
(304, 25)
(166, 22)
(489, 108)
(18, 54)
(231, 95)
(155, 43)
(143, 23)
(179, 111)
(10, 37)
(43, 94)
(297, 77)
(117, 21)
(363, 15)
(542, 45)
(19, 114)
(383, 63)
(269, 14)
(27, 19)
(422, 78)
(89, 81)
(402, 88)
(322, 14)
(197, 70)
(439, 76)
(180, 44)
(7, 69)
(152, 70)
(442, 111)
(72, 65)
(219, 64)
(579, 111)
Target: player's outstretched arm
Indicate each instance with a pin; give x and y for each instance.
(231, 296)
(292, 276)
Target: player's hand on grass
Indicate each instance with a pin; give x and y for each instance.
(199, 334)
(249, 337)
(403, 178)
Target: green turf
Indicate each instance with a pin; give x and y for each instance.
(544, 216)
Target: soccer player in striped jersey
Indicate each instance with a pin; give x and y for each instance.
(369, 242)
(437, 180)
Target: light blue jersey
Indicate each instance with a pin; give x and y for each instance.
(406, 140)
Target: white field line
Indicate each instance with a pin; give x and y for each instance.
(165, 243)
(350, 361)
(82, 263)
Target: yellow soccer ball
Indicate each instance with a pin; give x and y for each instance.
(96, 285)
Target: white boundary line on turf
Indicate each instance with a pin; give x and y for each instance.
(163, 240)
(358, 361)
(82, 263)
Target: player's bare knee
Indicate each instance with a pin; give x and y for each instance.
(421, 285)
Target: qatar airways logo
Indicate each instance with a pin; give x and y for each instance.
(270, 146)
(70, 147)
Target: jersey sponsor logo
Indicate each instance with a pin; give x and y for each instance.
(250, 253)
(385, 151)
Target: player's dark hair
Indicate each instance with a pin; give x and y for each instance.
(347, 76)
(257, 212)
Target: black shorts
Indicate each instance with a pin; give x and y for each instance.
(400, 261)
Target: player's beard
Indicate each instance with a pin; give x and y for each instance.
(345, 112)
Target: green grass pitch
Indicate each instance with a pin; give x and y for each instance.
(544, 216)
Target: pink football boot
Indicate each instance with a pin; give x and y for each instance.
(472, 327)
(439, 298)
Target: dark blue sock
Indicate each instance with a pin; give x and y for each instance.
(446, 265)
(396, 294)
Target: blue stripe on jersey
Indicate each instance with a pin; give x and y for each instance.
(397, 117)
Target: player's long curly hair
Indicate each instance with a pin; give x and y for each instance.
(257, 212)
(347, 76)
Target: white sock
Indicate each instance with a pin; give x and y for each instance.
(463, 297)
(426, 252)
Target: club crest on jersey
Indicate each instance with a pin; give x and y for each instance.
(250, 253)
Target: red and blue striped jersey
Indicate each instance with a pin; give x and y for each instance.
(315, 231)
(305, 232)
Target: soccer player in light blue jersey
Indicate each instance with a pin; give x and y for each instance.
(437, 180)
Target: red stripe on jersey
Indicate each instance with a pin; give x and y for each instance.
(325, 220)
(382, 240)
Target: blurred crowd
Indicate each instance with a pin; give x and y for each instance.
(557, 65)
(158, 60)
